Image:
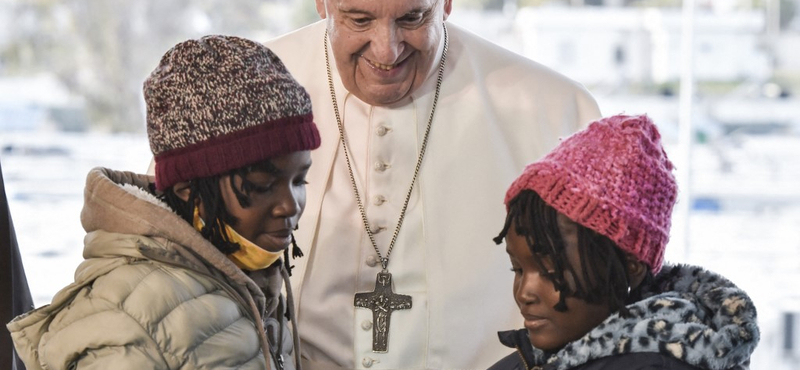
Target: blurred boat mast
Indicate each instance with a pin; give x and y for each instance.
(680, 236)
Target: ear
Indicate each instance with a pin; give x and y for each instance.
(182, 190)
(321, 9)
(448, 7)
(636, 270)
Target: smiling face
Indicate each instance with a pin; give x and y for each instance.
(277, 197)
(384, 49)
(536, 295)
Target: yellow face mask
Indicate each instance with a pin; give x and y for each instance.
(249, 257)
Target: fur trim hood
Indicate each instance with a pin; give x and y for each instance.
(122, 202)
(687, 313)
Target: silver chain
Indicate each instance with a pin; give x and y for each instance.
(343, 139)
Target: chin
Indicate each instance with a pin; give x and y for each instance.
(276, 249)
(385, 95)
(544, 345)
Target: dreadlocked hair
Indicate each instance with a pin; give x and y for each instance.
(216, 214)
(603, 278)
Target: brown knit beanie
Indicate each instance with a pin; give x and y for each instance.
(221, 103)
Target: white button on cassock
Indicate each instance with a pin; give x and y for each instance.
(372, 261)
(367, 362)
(380, 166)
(382, 130)
(366, 325)
(378, 200)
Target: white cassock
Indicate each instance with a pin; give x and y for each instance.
(497, 112)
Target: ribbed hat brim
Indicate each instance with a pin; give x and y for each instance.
(241, 148)
(572, 196)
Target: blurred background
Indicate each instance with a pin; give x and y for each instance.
(721, 78)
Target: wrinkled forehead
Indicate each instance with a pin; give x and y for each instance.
(384, 8)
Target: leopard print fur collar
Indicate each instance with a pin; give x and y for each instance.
(688, 313)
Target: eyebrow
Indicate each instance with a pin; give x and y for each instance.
(352, 10)
(265, 167)
(424, 10)
(279, 171)
(275, 171)
(420, 9)
(355, 11)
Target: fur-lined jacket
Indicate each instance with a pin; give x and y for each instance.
(152, 293)
(689, 318)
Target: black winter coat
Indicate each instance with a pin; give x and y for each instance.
(688, 319)
(630, 361)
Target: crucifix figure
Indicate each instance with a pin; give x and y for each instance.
(382, 301)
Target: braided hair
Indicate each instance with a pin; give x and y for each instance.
(603, 279)
(208, 190)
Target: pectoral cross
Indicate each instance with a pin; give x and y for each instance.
(382, 301)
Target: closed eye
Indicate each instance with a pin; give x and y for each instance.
(257, 188)
(412, 18)
(359, 21)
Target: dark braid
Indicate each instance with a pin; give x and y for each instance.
(604, 277)
(208, 190)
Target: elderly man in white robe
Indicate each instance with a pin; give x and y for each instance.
(423, 125)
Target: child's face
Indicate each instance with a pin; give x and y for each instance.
(536, 296)
(276, 203)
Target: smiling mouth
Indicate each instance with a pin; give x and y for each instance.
(383, 67)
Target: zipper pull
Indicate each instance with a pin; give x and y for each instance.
(279, 362)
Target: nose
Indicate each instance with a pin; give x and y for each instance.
(528, 287)
(290, 203)
(387, 44)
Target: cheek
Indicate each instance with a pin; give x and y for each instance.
(515, 287)
(345, 43)
(252, 217)
(234, 209)
(259, 210)
(425, 39)
(419, 42)
(569, 278)
(582, 317)
(301, 201)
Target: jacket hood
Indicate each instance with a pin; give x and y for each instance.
(125, 203)
(122, 202)
(687, 313)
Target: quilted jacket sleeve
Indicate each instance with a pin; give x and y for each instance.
(151, 316)
(129, 357)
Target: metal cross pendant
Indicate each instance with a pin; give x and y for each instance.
(382, 301)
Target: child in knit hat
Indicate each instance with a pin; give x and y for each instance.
(183, 270)
(585, 231)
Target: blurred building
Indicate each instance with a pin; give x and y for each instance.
(39, 103)
(611, 46)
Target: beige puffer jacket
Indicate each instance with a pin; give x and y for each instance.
(153, 294)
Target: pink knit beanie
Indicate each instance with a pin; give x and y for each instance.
(614, 178)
